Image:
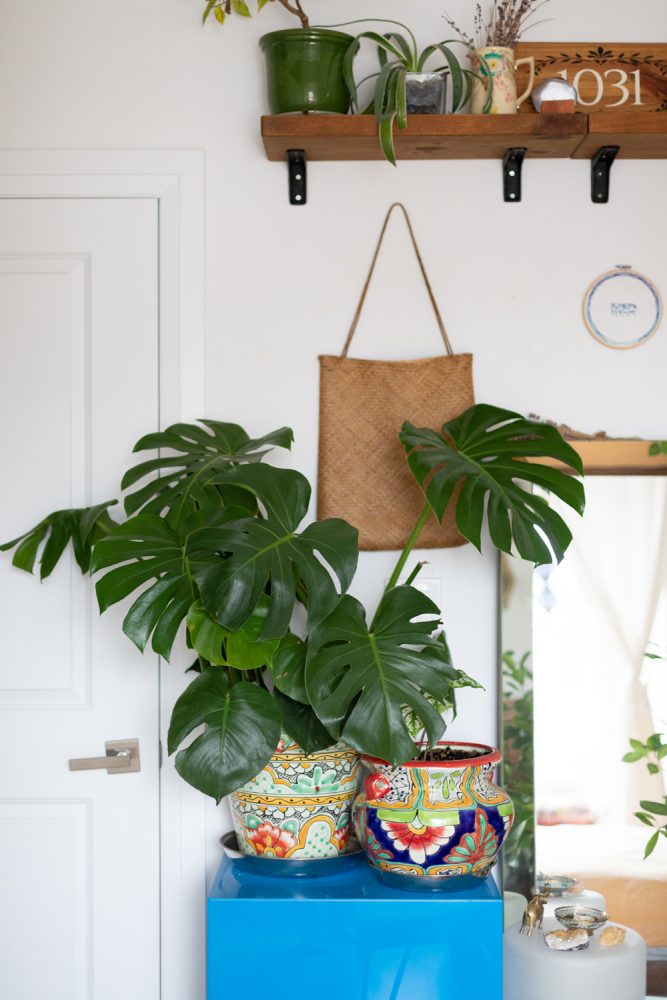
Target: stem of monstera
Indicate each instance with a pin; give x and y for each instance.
(409, 546)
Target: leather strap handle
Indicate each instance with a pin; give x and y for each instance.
(355, 320)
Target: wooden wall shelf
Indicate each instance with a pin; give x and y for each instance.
(639, 135)
(427, 137)
(599, 137)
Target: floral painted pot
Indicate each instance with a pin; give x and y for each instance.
(434, 824)
(299, 806)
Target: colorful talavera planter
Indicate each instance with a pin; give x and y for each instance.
(440, 823)
(300, 805)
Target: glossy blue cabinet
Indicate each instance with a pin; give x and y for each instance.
(348, 936)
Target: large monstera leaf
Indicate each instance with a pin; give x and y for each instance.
(266, 554)
(242, 732)
(484, 451)
(146, 550)
(189, 479)
(362, 681)
(46, 542)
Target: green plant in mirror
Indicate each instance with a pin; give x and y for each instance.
(518, 768)
(654, 750)
(399, 55)
(215, 540)
(653, 814)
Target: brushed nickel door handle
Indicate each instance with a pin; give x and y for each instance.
(122, 757)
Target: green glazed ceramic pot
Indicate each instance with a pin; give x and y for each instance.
(305, 70)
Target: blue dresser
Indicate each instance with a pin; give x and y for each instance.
(348, 936)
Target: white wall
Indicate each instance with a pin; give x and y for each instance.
(282, 282)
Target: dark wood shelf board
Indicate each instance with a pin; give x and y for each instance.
(427, 137)
(640, 135)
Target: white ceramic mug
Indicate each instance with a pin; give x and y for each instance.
(502, 67)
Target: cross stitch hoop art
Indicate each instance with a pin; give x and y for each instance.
(622, 308)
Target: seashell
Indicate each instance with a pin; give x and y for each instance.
(574, 940)
(611, 936)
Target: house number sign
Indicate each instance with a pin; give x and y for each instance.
(606, 76)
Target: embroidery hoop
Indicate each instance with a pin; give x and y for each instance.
(625, 271)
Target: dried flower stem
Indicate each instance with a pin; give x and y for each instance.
(506, 23)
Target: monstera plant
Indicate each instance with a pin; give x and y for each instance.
(214, 538)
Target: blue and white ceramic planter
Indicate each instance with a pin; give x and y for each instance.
(434, 822)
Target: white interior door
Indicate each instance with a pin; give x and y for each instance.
(79, 384)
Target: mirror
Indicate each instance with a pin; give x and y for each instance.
(584, 698)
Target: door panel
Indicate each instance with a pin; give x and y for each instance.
(79, 851)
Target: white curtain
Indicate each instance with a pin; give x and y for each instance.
(589, 649)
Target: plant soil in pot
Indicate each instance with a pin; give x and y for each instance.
(425, 93)
(304, 68)
(435, 823)
(299, 806)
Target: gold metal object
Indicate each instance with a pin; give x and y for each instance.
(534, 914)
(122, 757)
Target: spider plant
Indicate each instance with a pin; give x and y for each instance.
(399, 57)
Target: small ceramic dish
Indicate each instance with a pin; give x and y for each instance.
(289, 867)
(554, 885)
(585, 918)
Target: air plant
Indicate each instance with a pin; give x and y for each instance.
(400, 56)
(221, 9)
(506, 23)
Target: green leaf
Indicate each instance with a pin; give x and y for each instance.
(243, 728)
(632, 757)
(240, 7)
(218, 645)
(396, 39)
(654, 742)
(650, 844)
(261, 4)
(401, 99)
(657, 808)
(81, 526)
(360, 681)
(653, 768)
(645, 818)
(146, 550)
(301, 723)
(219, 15)
(288, 668)
(189, 480)
(454, 67)
(146, 612)
(386, 97)
(207, 10)
(662, 752)
(482, 452)
(207, 637)
(266, 554)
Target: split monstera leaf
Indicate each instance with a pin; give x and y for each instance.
(214, 542)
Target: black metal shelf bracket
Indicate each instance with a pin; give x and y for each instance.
(512, 163)
(296, 165)
(600, 170)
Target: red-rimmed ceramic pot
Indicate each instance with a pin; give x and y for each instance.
(434, 824)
